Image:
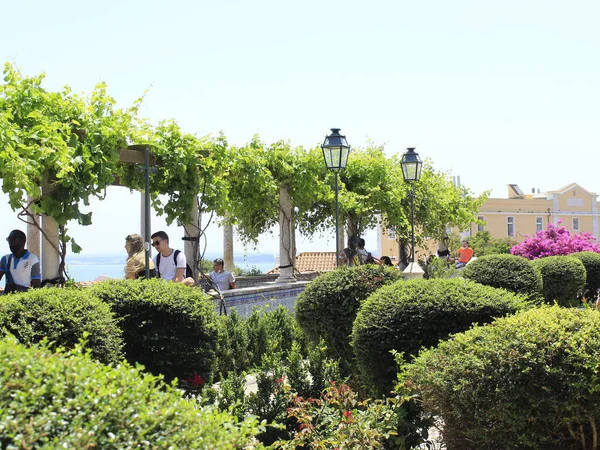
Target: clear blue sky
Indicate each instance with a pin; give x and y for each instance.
(496, 92)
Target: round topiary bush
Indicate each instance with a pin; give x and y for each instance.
(169, 328)
(67, 400)
(63, 316)
(513, 273)
(591, 261)
(327, 307)
(407, 316)
(530, 381)
(563, 279)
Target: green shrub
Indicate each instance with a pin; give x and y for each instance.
(63, 316)
(563, 279)
(513, 273)
(591, 261)
(409, 315)
(169, 328)
(327, 307)
(232, 349)
(524, 383)
(66, 400)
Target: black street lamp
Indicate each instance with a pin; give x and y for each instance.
(411, 170)
(335, 152)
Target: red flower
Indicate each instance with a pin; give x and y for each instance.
(348, 414)
(279, 380)
(196, 380)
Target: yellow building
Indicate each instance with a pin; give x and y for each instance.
(523, 214)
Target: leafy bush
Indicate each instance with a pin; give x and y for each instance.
(484, 244)
(563, 279)
(513, 273)
(336, 419)
(327, 307)
(530, 381)
(419, 313)
(169, 328)
(272, 332)
(591, 261)
(63, 316)
(232, 350)
(555, 241)
(66, 400)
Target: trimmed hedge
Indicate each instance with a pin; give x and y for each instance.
(526, 382)
(63, 316)
(327, 307)
(510, 272)
(563, 278)
(407, 316)
(169, 328)
(591, 261)
(66, 400)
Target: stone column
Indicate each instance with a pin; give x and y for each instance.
(228, 245)
(33, 234)
(50, 257)
(286, 242)
(191, 247)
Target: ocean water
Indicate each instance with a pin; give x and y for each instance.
(88, 268)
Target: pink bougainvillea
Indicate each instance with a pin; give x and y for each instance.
(555, 240)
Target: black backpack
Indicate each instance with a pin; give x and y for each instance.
(188, 270)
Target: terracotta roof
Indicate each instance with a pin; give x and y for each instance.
(313, 262)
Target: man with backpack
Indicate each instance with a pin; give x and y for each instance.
(170, 264)
(22, 268)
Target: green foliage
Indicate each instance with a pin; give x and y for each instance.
(407, 316)
(510, 272)
(63, 316)
(232, 351)
(66, 400)
(484, 244)
(169, 328)
(328, 305)
(563, 279)
(272, 332)
(591, 261)
(337, 419)
(435, 267)
(530, 381)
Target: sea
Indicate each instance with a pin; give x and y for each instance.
(90, 267)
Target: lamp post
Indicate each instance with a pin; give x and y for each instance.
(411, 170)
(335, 152)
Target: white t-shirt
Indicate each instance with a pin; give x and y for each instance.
(23, 270)
(167, 268)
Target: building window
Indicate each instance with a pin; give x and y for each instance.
(391, 232)
(539, 223)
(480, 227)
(575, 223)
(510, 229)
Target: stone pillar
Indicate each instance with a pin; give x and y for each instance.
(228, 245)
(33, 234)
(191, 247)
(50, 257)
(286, 241)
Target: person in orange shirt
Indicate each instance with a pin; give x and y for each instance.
(465, 253)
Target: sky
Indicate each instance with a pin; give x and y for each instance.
(493, 92)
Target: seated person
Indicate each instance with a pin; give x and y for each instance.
(220, 277)
(465, 253)
(386, 261)
(135, 267)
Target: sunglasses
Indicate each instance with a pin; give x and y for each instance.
(155, 243)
